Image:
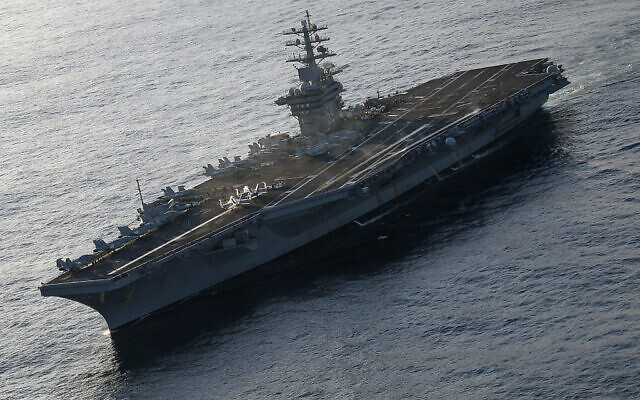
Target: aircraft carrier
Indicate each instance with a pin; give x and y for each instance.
(346, 162)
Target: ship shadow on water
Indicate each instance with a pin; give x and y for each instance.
(353, 251)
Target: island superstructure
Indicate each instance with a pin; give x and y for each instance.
(292, 189)
(317, 102)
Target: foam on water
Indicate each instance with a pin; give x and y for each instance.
(518, 280)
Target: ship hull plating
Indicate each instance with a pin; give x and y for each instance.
(145, 290)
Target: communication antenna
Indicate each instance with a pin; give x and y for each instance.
(140, 192)
(308, 19)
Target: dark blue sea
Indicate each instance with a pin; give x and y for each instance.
(518, 279)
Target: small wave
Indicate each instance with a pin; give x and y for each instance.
(630, 146)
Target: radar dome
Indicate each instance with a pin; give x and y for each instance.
(552, 69)
(292, 91)
(450, 142)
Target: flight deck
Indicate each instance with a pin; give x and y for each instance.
(410, 117)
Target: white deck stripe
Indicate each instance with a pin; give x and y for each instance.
(397, 143)
(416, 131)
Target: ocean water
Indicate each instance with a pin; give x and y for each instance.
(519, 279)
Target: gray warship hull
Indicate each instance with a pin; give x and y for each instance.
(431, 131)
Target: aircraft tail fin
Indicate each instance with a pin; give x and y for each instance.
(125, 231)
(101, 245)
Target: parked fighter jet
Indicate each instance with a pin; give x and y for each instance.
(244, 197)
(210, 171)
(68, 265)
(260, 190)
(229, 205)
(170, 193)
(101, 245)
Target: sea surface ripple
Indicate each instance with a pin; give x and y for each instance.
(519, 279)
